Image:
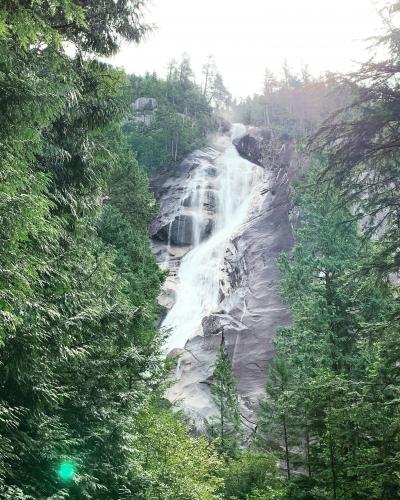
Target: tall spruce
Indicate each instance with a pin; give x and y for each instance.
(227, 425)
(361, 141)
(277, 416)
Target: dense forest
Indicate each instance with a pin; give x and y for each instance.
(82, 368)
(184, 117)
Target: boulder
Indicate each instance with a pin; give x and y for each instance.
(250, 145)
(145, 104)
(218, 323)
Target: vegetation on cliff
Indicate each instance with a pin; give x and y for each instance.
(184, 117)
(332, 406)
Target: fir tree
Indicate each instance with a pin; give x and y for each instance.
(227, 426)
(323, 412)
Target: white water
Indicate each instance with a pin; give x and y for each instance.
(200, 270)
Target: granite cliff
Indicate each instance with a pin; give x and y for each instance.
(247, 308)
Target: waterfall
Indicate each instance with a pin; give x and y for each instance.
(217, 197)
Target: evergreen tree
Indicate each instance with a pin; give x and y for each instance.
(324, 411)
(79, 350)
(182, 122)
(172, 461)
(361, 142)
(277, 415)
(227, 426)
(220, 95)
(253, 476)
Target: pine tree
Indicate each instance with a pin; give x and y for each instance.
(183, 120)
(361, 143)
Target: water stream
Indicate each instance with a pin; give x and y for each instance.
(220, 195)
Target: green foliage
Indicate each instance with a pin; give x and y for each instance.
(278, 415)
(293, 105)
(181, 123)
(330, 415)
(213, 87)
(361, 143)
(79, 350)
(253, 476)
(174, 463)
(80, 357)
(226, 428)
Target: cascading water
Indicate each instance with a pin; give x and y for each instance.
(217, 200)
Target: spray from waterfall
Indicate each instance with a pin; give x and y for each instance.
(218, 198)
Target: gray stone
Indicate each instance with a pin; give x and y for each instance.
(179, 231)
(212, 171)
(251, 307)
(188, 201)
(219, 323)
(210, 200)
(145, 104)
(250, 145)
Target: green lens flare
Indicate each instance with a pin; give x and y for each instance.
(66, 471)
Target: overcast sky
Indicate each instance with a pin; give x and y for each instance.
(245, 36)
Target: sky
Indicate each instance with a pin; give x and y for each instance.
(246, 36)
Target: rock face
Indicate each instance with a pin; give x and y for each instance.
(250, 308)
(145, 104)
(251, 144)
(143, 110)
(180, 230)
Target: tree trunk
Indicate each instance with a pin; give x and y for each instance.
(285, 436)
(333, 466)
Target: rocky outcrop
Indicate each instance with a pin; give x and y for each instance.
(251, 308)
(143, 110)
(172, 230)
(170, 188)
(179, 231)
(145, 104)
(251, 144)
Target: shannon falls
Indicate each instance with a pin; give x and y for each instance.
(223, 220)
(217, 197)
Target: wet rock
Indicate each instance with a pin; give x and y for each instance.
(179, 232)
(214, 324)
(175, 353)
(168, 296)
(188, 201)
(209, 197)
(212, 171)
(207, 229)
(218, 323)
(251, 307)
(210, 200)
